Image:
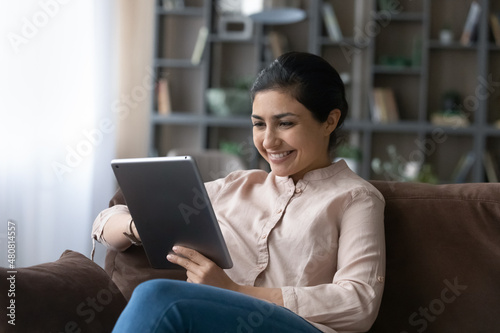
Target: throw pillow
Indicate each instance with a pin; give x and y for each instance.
(72, 294)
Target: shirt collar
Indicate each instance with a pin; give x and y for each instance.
(318, 174)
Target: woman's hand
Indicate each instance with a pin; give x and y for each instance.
(200, 269)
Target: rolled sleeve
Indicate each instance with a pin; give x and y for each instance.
(103, 218)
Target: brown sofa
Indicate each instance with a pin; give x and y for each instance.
(443, 270)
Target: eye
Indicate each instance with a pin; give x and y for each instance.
(286, 124)
(259, 124)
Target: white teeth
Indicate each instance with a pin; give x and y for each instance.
(280, 155)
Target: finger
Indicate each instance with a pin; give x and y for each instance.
(191, 254)
(193, 269)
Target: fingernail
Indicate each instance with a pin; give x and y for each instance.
(170, 256)
(175, 248)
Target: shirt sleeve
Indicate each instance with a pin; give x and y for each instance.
(103, 218)
(351, 302)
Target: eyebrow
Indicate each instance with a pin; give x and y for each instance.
(278, 116)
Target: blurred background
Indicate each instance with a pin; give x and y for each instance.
(86, 81)
(61, 100)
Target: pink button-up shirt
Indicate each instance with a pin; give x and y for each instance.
(321, 241)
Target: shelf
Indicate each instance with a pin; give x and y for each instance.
(454, 46)
(494, 47)
(492, 131)
(401, 17)
(179, 118)
(175, 63)
(409, 36)
(396, 70)
(186, 11)
(326, 41)
(214, 38)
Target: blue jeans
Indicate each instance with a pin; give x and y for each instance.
(162, 306)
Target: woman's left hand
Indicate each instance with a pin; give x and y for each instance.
(200, 269)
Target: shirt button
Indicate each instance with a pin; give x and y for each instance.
(299, 190)
(264, 236)
(380, 279)
(279, 211)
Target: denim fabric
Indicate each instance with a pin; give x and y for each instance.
(162, 306)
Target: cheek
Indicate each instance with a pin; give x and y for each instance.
(257, 141)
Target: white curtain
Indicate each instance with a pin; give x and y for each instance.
(57, 125)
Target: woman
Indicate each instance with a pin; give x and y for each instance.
(306, 239)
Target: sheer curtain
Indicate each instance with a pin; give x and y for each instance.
(57, 124)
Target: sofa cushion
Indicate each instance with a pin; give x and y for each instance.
(72, 294)
(130, 268)
(443, 258)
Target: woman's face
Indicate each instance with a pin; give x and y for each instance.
(287, 135)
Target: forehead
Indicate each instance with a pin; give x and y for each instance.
(272, 102)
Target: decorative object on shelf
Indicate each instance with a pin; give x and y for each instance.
(449, 119)
(235, 27)
(446, 35)
(350, 154)
(346, 78)
(384, 106)
(331, 23)
(427, 175)
(273, 11)
(395, 61)
(228, 101)
(469, 33)
(451, 115)
(387, 5)
(172, 4)
(398, 169)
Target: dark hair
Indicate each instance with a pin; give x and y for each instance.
(311, 80)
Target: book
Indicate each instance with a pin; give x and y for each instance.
(384, 105)
(495, 27)
(331, 23)
(163, 97)
(490, 167)
(471, 24)
(199, 47)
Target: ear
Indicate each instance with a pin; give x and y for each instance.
(332, 121)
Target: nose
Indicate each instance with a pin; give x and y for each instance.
(271, 139)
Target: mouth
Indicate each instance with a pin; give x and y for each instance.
(279, 156)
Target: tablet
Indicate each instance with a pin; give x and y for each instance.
(170, 206)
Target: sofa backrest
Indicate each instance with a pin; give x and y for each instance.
(443, 258)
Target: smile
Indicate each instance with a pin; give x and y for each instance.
(280, 155)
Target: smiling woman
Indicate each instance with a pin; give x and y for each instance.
(306, 239)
